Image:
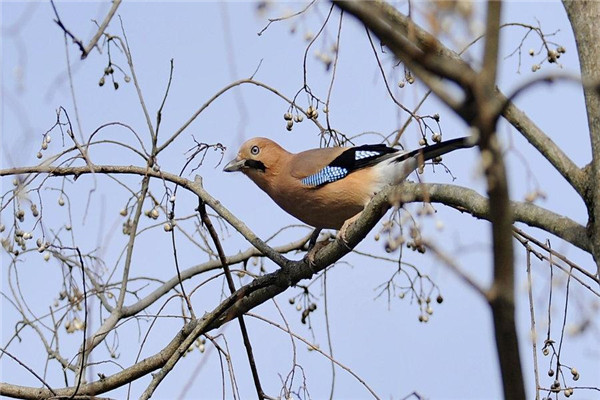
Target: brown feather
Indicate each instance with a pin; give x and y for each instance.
(326, 206)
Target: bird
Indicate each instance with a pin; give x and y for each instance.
(327, 188)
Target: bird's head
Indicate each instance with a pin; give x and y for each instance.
(255, 157)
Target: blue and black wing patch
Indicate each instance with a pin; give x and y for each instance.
(359, 157)
(326, 175)
(349, 161)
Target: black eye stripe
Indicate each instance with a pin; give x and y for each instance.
(254, 164)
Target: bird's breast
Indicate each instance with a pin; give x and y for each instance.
(327, 206)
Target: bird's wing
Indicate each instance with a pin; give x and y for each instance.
(319, 167)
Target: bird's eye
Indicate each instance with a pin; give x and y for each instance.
(254, 150)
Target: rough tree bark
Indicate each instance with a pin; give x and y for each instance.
(584, 17)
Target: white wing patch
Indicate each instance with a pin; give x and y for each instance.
(361, 154)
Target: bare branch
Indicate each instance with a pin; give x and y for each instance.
(468, 200)
(480, 109)
(583, 16)
(85, 50)
(421, 38)
(460, 198)
(456, 269)
(215, 237)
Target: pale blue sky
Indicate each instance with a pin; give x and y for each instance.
(212, 44)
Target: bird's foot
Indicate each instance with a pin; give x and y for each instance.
(313, 238)
(341, 235)
(314, 249)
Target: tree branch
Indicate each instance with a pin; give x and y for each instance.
(584, 16)
(244, 330)
(460, 198)
(501, 295)
(85, 50)
(480, 108)
(575, 176)
(402, 25)
(421, 55)
(245, 298)
(468, 200)
(265, 287)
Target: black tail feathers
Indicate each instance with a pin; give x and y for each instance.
(438, 149)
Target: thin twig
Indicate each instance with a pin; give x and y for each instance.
(183, 292)
(327, 328)
(529, 238)
(215, 237)
(28, 369)
(533, 330)
(316, 348)
(455, 268)
(271, 20)
(81, 371)
(94, 41)
(385, 81)
(334, 70)
(162, 105)
(85, 50)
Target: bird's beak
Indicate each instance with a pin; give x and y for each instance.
(235, 165)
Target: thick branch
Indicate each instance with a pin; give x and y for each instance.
(267, 286)
(480, 109)
(584, 17)
(422, 53)
(492, 45)
(402, 25)
(210, 265)
(501, 295)
(245, 298)
(546, 146)
(468, 200)
(463, 199)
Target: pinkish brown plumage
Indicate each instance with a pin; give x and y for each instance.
(326, 187)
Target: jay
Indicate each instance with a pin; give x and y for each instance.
(329, 187)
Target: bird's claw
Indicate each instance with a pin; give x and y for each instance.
(312, 252)
(341, 235)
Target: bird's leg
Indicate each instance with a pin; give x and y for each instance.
(341, 235)
(314, 246)
(313, 238)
